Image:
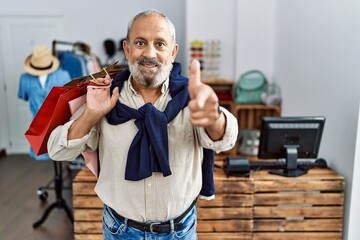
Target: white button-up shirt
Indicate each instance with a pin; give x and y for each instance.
(156, 197)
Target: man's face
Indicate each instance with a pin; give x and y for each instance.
(150, 51)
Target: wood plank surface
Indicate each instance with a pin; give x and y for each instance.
(308, 225)
(262, 206)
(85, 175)
(224, 226)
(313, 174)
(297, 236)
(256, 107)
(87, 227)
(90, 215)
(229, 186)
(299, 212)
(266, 199)
(225, 213)
(81, 188)
(87, 201)
(220, 175)
(228, 200)
(224, 236)
(298, 185)
(89, 236)
(240, 115)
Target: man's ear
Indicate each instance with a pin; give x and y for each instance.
(174, 52)
(126, 48)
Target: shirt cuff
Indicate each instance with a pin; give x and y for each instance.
(74, 143)
(228, 140)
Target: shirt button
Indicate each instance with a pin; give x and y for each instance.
(149, 185)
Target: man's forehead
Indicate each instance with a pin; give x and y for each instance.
(150, 25)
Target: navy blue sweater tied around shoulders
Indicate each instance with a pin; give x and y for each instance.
(143, 160)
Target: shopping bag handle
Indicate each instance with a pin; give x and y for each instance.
(86, 79)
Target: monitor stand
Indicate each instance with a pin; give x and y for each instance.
(291, 169)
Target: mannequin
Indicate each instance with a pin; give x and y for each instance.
(42, 79)
(42, 72)
(110, 49)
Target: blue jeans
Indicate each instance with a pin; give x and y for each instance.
(115, 229)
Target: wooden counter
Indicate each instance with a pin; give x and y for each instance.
(261, 206)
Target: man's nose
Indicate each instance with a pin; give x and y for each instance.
(150, 51)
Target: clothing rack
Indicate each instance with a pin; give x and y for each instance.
(60, 201)
(76, 58)
(57, 42)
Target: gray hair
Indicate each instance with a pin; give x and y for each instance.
(149, 13)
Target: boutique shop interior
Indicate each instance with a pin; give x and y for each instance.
(287, 70)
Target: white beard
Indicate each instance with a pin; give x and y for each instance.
(150, 82)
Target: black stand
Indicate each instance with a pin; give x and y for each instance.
(60, 201)
(291, 169)
(241, 166)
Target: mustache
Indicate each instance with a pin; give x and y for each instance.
(149, 61)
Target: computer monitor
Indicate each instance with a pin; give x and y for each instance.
(290, 138)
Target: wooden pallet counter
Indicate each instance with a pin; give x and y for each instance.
(305, 207)
(262, 206)
(87, 207)
(230, 214)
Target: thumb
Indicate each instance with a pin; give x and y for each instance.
(115, 96)
(194, 77)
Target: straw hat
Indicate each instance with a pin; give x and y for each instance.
(41, 61)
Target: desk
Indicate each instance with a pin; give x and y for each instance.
(262, 206)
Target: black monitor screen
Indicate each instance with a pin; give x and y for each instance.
(290, 138)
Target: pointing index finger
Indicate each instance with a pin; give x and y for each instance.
(194, 76)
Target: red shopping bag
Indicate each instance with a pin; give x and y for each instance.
(55, 109)
(53, 112)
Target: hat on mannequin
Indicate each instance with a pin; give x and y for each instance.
(41, 61)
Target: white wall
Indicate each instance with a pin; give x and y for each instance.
(254, 44)
(317, 57)
(354, 215)
(207, 20)
(95, 21)
(3, 120)
(245, 30)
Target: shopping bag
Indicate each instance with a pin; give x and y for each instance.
(55, 109)
(92, 162)
(91, 157)
(111, 70)
(53, 112)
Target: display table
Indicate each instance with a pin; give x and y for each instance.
(261, 206)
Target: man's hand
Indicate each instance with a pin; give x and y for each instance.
(204, 105)
(203, 100)
(98, 100)
(98, 104)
